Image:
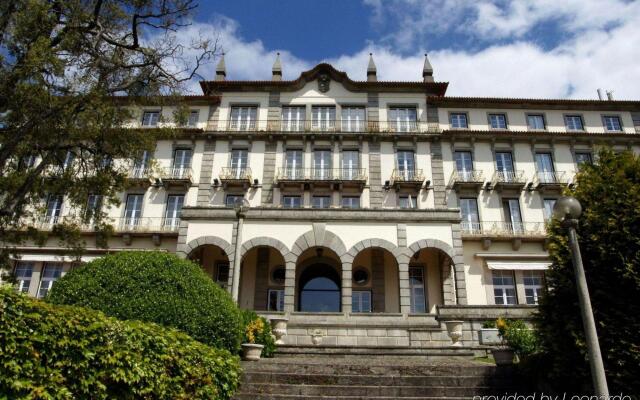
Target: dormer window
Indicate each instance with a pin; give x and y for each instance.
(243, 118)
(403, 119)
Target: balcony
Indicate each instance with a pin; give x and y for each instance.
(407, 179)
(145, 225)
(312, 177)
(500, 229)
(331, 126)
(466, 180)
(177, 176)
(236, 177)
(508, 180)
(550, 181)
(140, 176)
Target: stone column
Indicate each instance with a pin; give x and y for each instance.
(347, 278)
(206, 173)
(437, 174)
(405, 292)
(235, 279)
(289, 286)
(448, 297)
(458, 261)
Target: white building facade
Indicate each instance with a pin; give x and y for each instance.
(368, 213)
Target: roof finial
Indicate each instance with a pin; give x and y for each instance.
(427, 70)
(276, 71)
(372, 71)
(221, 69)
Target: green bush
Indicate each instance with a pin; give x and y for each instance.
(155, 287)
(65, 352)
(489, 324)
(518, 336)
(263, 336)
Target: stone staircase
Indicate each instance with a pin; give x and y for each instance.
(378, 377)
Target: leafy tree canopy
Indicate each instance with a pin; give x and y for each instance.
(65, 66)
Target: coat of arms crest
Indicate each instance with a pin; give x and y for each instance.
(323, 83)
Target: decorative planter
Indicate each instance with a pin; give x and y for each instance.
(489, 337)
(503, 356)
(454, 330)
(251, 351)
(279, 328)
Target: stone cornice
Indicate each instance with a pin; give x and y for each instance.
(534, 104)
(447, 215)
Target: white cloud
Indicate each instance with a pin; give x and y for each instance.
(601, 49)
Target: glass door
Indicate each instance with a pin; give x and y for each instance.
(142, 165)
(322, 164)
(293, 164)
(133, 210)
(464, 165)
(406, 164)
(470, 217)
(417, 290)
(181, 163)
(239, 160)
(350, 164)
(544, 164)
(54, 209)
(504, 164)
(172, 213)
(512, 215)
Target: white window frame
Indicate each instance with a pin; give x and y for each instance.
(403, 119)
(323, 118)
(547, 208)
(23, 273)
(533, 288)
(243, 118)
(418, 293)
(358, 301)
(133, 215)
(150, 118)
(194, 118)
(327, 198)
(501, 289)
(459, 120)
(46, 282)
(571, 122)
(288, 201)
(350, 202)
(607, 119)
(293, 118)
(537, 118)
(353, 118)
(408, 202)
(279, 299)
(172, 214)
(54, 208)
(499, 119)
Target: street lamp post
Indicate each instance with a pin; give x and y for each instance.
(568, 209)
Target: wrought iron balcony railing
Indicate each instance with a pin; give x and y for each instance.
(503, 229)
(337, 125)
(407, 175)
(140, 173)
(177, 173)
(508, 178)
(321, 174)
(550, 178)
(466, 177)
(131, 224)
(237, 174)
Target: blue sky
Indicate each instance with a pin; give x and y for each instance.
(514, 48)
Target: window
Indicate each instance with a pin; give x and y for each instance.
(533, 284)
(361, 301)
(181, 163)
(544, 165)
(353, 119)
(583, 158)
(512, 215)
(350, 164)
(293, 118)
(239, 163)
(361, 276)
(54, 209)
(172, 213)
(612, 123)
(408, 202)
(322, 164)
(535, 122)
(458, 121)
(68, 160)
(504, 288)
(504, 166)
(243, 118)
(498, 121)
(194, 115)
(50, 273)
(222, 276)
(150, 118)
(464, 165)
(417, 291)
(23, 273)
(291, 201)
(30, 161)
(293, 167)
(276, 300)
(573, 122)
(141, 166)
(94, 204)
(406, 164)
(470, 217)
(548, 208)
(323, 117)
(232, 199)
(351, 202)
(133, 210)
(321, 201)
(403, 119)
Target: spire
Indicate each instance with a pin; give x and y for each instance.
(427, 70)
(372, 70)
(276, 71)
(221, 70)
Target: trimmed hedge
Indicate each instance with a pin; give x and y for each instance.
(64, 352)
(264, 337)
(155, 287)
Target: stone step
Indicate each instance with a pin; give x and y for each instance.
(295, 378)
(372, 390)
(262, 396)
(337, 351)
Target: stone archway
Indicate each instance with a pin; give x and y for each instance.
(214, 255)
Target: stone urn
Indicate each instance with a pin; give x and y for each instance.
(503, 356)
(251, 351)
(279, 328)
(454, 330)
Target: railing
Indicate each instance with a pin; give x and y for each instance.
(139, 173)
(500, 228)
(46, 223)
(321, 174)
(473, 176)
(404, 175)
(550, 177)
(137, 224)
(229, 173)
(336, 125)
(177, 173)
(516, 177)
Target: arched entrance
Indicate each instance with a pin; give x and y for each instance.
(319, 281)
(262, 277)
(375, 282)
(214, 261)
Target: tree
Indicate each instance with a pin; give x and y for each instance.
(609, 237)
(70, 73)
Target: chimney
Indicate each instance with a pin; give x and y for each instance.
(372, 72)
(276, 71)
(610, 95)
(221, 70)
(600, 94)
(427, 70)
